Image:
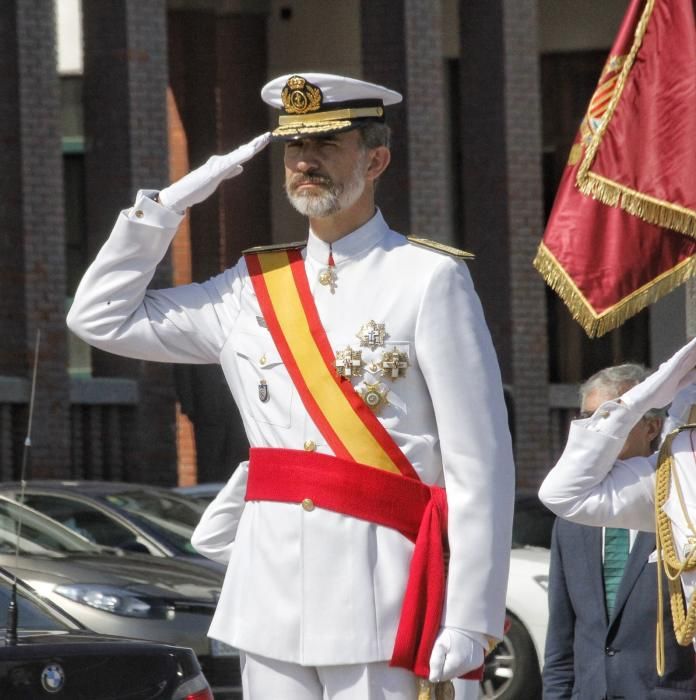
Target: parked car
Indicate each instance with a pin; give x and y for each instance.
(200, 493)
(513, 669)
(53, 656)
(123, 594)
(135, 517)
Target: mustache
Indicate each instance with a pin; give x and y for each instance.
(301, 179)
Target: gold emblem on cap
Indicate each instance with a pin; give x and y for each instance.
(299, 96)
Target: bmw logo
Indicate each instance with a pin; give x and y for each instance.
(53, 678)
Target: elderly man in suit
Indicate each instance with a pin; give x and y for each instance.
(603, 588)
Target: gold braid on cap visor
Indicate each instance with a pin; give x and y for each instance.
(332, 120)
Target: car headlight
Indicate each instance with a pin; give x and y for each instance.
(542, 580)
(118, 601)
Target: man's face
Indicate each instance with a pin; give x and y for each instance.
(639, 442)
(325, 174)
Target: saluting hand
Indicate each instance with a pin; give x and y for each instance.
(199, 184)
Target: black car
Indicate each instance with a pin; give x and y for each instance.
(50, 655)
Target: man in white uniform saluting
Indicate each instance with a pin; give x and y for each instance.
(367, 382)
(591, 485)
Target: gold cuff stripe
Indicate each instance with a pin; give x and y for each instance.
(597, 324)
(358, 113)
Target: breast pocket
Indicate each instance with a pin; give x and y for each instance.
(263, 378)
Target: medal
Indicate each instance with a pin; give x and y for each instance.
(394, 364)
(349, 363)
(371, 335)
(374, 395)
(327, 278)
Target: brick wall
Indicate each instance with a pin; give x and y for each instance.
(501, 193)
(427, 148)
(384, 62)
(528, 295)
(39, 232)
(13, 357)
(125, 81)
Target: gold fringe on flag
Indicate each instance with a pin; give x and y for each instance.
(597, 324)
(645, 207)
(650, 209)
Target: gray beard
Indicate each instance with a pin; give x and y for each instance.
(331, 200)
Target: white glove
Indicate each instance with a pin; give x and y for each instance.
(662, 386)
(679, 410)
(199, 184)
(454, 654)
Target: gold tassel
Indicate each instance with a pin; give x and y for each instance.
(435, 691)
(594, 324)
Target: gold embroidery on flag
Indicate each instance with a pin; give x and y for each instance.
(650, 209)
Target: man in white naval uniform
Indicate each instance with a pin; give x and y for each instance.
(313, 597)
(589, 484)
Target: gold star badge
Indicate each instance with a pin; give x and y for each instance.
(349, 363)
(371, 335)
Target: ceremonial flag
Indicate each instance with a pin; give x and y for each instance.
(622, 231)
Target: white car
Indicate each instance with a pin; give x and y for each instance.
(513, 669)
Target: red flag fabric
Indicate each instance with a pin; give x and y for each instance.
(622, 231)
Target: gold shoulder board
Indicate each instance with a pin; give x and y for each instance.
(441, 248)
(275, 246)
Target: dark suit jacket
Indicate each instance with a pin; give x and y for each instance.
(589, 657)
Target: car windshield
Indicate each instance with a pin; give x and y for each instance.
(171, 516)
(31, 617)
(38, 534)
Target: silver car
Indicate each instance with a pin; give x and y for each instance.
(117, 593)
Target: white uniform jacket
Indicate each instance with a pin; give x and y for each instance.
(590, 485)
(316, 587)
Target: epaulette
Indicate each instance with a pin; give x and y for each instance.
(275, 246)
(441, 247)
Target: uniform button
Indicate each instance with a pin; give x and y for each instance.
(308, 504)
(139, 213)
(604, 414)
(310, 445)
(262, 360)
(609, 651)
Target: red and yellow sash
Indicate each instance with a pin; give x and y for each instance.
(390, 493)
(349, 427)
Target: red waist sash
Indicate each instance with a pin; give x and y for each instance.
(416, 510)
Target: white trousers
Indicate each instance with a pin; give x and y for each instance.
(270, 679)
